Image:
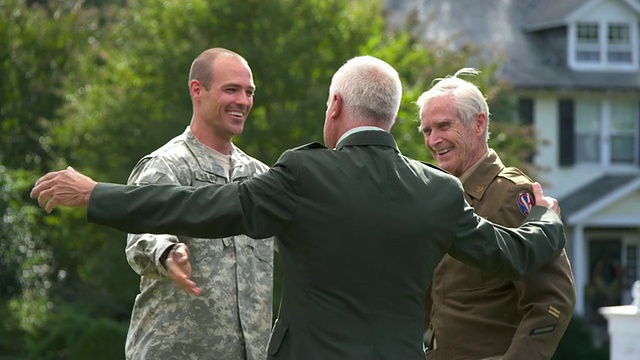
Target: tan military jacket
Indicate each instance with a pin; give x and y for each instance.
(474, 315)
(231, 319)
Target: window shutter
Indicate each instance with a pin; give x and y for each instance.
(525, 117)
(566, 139)
(525, 111)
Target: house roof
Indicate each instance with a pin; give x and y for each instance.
(545, 14)
(529, 35)
(590, 193)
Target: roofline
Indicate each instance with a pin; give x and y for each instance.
(545, 25)
(634, 5)
(575, 16)
(579, 13)
(581, 216)
(566, 89)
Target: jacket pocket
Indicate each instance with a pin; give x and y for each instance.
(277, 336)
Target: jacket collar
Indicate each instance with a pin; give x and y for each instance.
(488, 168)
(368, 138)
(239, 160)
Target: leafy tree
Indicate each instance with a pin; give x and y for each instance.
(33, 58)
(116, 88)
(38, 46)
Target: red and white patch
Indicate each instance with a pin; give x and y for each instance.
(525, 202)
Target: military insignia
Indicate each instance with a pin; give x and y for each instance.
(525, 202)
(554, 312)
(542, 330)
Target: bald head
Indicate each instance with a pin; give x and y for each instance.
(202, 68)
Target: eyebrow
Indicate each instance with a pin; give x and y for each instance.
(445, 121)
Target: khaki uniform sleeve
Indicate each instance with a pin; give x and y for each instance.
(546, 297)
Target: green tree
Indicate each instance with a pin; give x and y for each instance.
(34, 57)
(40, 288)
(99, 88)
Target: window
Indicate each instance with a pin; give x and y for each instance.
(619, 44)
(601, 45)
(606, 132)
(587, 132)
(622, 132)
(587, 47)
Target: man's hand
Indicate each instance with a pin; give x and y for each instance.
(65, 187)
(179, 269)
(545, 201)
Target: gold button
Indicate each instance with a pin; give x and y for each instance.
(479, 188)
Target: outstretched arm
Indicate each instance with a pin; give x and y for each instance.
(511, 252)
(259, 207)
(73, 189)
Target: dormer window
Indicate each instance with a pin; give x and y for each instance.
(587, 44)
(603, 46)
(619, 44)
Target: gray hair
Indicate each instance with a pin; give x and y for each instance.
(370, 88)
(469, 100)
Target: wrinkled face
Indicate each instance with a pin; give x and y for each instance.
(454, 146)
(226, 105)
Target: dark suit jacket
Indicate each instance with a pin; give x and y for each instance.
(360, 230)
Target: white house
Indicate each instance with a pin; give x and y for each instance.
(574, 65)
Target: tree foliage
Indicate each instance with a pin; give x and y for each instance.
(34, 58)
(98, 84)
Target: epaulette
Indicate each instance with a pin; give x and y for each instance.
(313, 145)
(515, 175)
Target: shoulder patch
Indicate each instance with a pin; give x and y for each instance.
(525, 201)
(313, 145)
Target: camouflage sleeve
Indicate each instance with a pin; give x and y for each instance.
(144, 251)
(546, 297)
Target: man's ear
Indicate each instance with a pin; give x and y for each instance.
(480, 122)
(196, 88)
(335, 108)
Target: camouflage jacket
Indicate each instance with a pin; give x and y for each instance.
(231, 319)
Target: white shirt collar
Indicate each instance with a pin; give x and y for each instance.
(356, 130)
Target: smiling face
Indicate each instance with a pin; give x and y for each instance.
(454, 146)
(224, 107)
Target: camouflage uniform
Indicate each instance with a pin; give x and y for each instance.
(231, 319)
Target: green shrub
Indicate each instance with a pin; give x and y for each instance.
(577, 343)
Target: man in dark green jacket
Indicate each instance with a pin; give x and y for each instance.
(360, 227)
